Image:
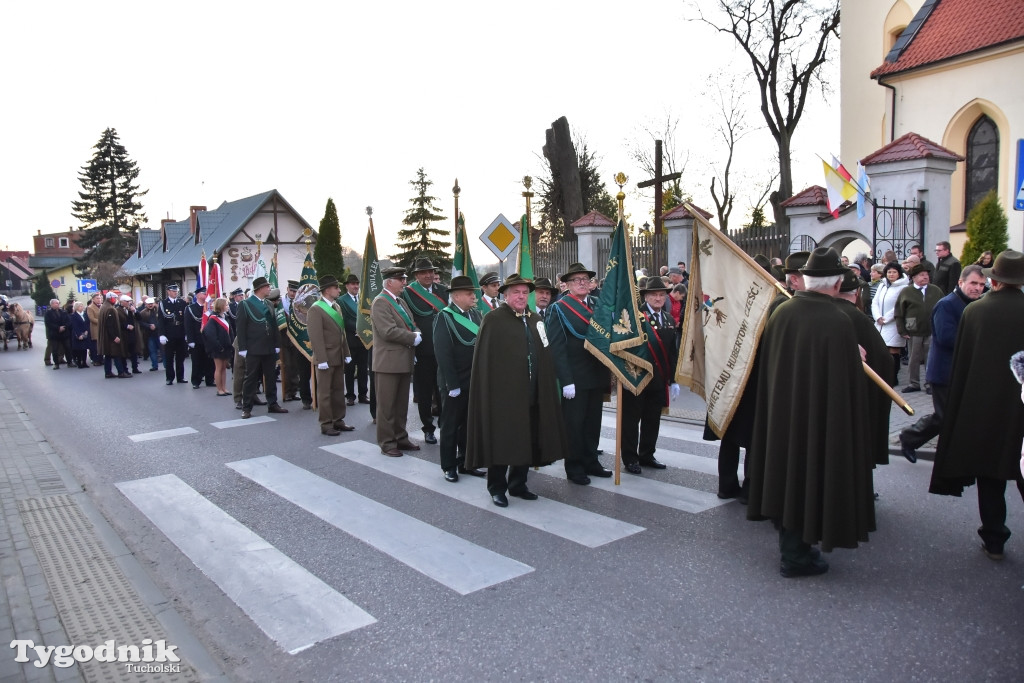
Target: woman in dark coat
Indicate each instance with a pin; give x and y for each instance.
(81, 338)
(218, 340)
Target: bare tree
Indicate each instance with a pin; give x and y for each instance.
(787, 43)
(731, 127)
(642, 152)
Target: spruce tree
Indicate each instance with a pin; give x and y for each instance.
(109, 209)
(43, 291)
(419, 239)
(327, 256)
(986, 229)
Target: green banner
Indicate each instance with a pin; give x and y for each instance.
(370, 285)
(462, 262)
(524, 262)
(308, 291)
(615, 335)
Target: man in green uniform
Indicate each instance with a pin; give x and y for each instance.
(425, 299)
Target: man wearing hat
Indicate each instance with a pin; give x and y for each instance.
(326, 329)
(202, 364)
(543, 294)
(259, 344)
(792, 279)
(172, 335)
(425, 299)
(291, 374)
(112, 342)
(641, 414)
(455, 333)
(514, 418)
(232, 313)
(395, 337)
(357, 370)
(149, 320)
(809, 460)
(983, 427)
(289, 296)
(132, 334)
(913, 313)
(490, 287)
(584, 380)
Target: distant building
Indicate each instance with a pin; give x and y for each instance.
(57, 253)
(15, 273)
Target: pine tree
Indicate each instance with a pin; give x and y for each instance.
(109, 209)
(43, 293)
(986, 229)
(327, 256)
(420, 240)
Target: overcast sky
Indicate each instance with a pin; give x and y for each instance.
(217, 101)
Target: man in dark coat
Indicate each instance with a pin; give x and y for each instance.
(792, 280)
(810, 466)
(57, 326)
(945, 323)
(112, 342)
(455, 333)
(358, 370)
(259, 343)
(584, 379)
(515, 420)
(425, 299)
(983, 427)
(172, 335)
(947, 268)
(202, 363)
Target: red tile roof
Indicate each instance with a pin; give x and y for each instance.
(682, 212)
(958, 27)
(813, 196)
(593, 218)
(909, 146)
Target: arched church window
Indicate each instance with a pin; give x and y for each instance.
(982, 161)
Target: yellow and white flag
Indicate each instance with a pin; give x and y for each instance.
(726, 311)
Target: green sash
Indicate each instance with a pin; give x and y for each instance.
(463, 320)
(401, 311)
(426, 295)
(329, 310)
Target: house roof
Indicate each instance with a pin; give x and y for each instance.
(945, 29)
(909, 146)
(813, 196)
(217, 228)
(593, 218)
(682, 212)
(19, 266)
(50, 262)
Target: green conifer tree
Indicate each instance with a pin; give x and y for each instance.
(43, 290)
(986, 229)
(419, 239)
(327, 256)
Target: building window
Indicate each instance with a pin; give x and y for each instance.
(62, 242)
(982, 161)
(49, 242)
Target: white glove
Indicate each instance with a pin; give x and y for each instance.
(191, 345)
(454, 393)
(277, 349)
(419, 338)
(673, 391)
(569, 391)
(348, 359)
(321, 366)
(242, 353)
(163, 339)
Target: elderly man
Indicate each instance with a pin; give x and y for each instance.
(259, 343)
(810, 465)
(583, 378)
(172, 335)
(149, 322)
(326, 329)
(132, 334)
(395, 337)
(792, 279)
(57, 326)
(489, 289)
(112, 343)
(514, 418)
(455, 333)
(945, 323)
(913, 314)
(202, 363)
(543, 294)
(983, 427)
(357, 370)
(425, 299)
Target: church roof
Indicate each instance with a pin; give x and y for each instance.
(909, 146)
(593, 218)
(813, 196)
(682, 212)
(945, 29)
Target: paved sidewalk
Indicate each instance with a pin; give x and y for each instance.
(66, 577)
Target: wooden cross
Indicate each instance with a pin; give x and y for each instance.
(657, 182)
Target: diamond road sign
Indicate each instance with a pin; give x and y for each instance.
(500, 237)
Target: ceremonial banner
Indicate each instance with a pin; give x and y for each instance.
(370, 285)
(614, 335)
(308, 294)
(272, 275)
(726, 311)
(462, 262)
(524, 261)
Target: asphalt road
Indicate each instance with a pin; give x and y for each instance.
(418, 585)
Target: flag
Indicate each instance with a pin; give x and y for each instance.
(272, 276)
(840, 189)
(370, 285)
(214, 289)
(260, 270)
(614, 335)
(524, 261)
(840, 169)
(725, 312)
(203, 272)
(863, 187)
(462, 261)
(309, 291)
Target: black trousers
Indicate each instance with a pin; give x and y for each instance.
(202, 366)
(928, 427)
(257, 366)
(175, 351)
(795, 553)
(358, 370)
(424, 387)
(516, 481)
(992, 507)
(453, 430)
(373, 385)
(583, 427)
(133, 357)
(641, 422)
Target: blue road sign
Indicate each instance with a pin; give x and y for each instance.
(86, 286)
(1018, 203)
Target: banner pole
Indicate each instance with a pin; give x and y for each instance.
(618, 433)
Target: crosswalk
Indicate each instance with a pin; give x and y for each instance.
(296, 609)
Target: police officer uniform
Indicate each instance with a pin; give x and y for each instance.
(202, 364)
(172, 336)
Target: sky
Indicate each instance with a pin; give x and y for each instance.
(217, 101)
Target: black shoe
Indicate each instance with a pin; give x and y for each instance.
(350, 401)
(429, 437)
(290, 397)
(581, 479)
(911, 389)
(633, 467)
(170, 382)
(195, 386)
(363, 399)
(181, 381)
(813, 568)
(153, 369)
(928, 390)
(908, 452)
(472, 473)
(451, 475)
(500, 500)
(525, 494)
(730, 493)
(599, 472)
(257, 401)
(991, 553)
(654, 464)
(246, 414)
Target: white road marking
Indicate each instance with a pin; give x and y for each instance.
(292, 606)
(164, 434)
(685, 461)
(228, 424)
(669, 430)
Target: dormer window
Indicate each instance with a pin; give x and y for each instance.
(48, 241)
(62, 242)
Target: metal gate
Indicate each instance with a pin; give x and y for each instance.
(897, 228)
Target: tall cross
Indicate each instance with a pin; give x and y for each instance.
(657, 182)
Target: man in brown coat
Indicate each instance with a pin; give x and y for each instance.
(326, 329)
(111, 343)
(394, 338)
